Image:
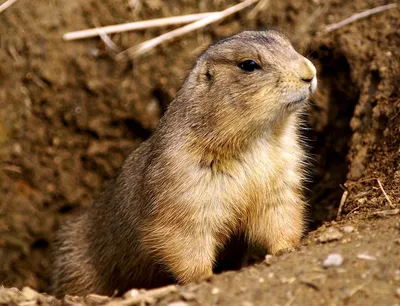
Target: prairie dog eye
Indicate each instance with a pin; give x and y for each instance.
(249, 66)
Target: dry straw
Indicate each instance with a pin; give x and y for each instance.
(138, 25)
(358, 16)
(6, 5)
(150, 44)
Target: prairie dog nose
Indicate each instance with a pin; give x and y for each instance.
(307, 71)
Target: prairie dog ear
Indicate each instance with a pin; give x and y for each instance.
(206, 73)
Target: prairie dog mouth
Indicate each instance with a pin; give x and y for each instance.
(298, 99)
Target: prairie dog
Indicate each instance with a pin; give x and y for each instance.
(225, 160)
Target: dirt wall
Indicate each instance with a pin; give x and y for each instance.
(70, 113)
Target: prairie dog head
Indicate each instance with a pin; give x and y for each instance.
(252, 77)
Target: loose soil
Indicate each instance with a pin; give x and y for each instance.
(70, 114)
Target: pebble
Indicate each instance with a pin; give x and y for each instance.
(348, 229)
(94, 299)
(331, 234)
(287, 280)
(362, 201)
(17, 148)
(333, 260)
(398, 292)
(131, 293)
(29, 294)
(188, 295)
(271, 274)
(215, 291)
(246, 303)
(269, 259)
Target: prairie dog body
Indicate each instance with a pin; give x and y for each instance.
(225, 160)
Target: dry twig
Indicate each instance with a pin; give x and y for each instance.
(105, 38)
(12, 168)
(358, 16)
(261, 6)
(150, 44)
(6, 5)
(342, 202)
(385, 194)
(138, 25)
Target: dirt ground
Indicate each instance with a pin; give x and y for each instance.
(70, 114)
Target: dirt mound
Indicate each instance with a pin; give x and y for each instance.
(71, 114)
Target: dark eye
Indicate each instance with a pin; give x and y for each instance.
(249, 66)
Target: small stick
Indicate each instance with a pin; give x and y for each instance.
(342, 202)
(353, 210)
(105, 38)
(358, 16)
(12, 168)
(385, 194)
(138, 25)
(150, 44)
(262, 5)
(6, 5)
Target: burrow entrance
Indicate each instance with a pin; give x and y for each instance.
(329, 134)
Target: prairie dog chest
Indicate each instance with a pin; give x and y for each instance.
(263, 174)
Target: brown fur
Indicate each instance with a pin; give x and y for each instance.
(224, 161)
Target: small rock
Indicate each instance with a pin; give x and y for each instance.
(8, 295)
(364, 275)
(215, 290)
(269, 259)
(17, 149)
(72, 300)
(246, 303)
(398, 292)
(331, 234)
(362, 201)
(188, 295)
(348, 229)
(94, 299)
(131, 293)
(178, 303)
(397, 275)
(29, 294)
(333, 260)
(271, 274)
(261, 279)
(287, 280)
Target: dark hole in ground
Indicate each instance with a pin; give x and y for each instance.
(137, 129)
(40, 243)
(330, 134)
(162, 98)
